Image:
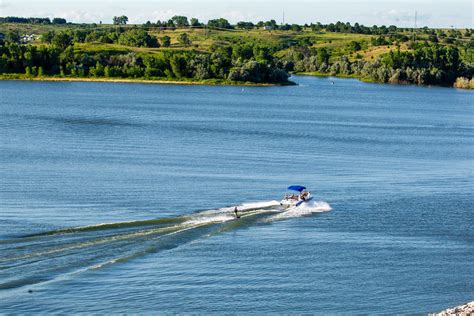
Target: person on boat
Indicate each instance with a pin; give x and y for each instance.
(304, 195)
(235, 211)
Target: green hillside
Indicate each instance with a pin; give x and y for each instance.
(222, 53)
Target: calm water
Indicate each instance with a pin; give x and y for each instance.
(391, 166)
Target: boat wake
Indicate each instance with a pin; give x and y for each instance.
(304, 209)
(44, 257)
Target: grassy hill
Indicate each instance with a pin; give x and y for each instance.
(290, 50)
(203, 39)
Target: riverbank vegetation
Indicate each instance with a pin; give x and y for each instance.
(262, 53)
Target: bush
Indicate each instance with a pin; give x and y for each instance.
(464, 83)
(184, 39)
(166, 41)
(137, 38)
(62, 40)
(279, 76)
(354, 46)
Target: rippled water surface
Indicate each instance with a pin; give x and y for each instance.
(120, 197)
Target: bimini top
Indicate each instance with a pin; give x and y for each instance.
(298, 188)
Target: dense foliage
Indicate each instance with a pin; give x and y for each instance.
(120, 20)
(14, 19)
(424, 56)
(427, 64)
(249, 64)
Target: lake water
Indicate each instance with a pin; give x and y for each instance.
(119, 197)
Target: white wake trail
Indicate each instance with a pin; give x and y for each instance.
(304, 209)
(225, 214)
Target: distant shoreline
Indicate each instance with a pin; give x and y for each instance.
(211, 82)
(368, 80)
(146, 81)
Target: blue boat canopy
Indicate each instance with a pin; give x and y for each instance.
(298, 188)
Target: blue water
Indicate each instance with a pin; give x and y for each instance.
(390, 230)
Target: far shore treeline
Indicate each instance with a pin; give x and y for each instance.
(218, 52)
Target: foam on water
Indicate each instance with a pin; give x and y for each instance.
(226, 214)
(241, 208)
(304, 209)
(210, 219)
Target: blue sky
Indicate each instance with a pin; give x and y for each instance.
(434, 13)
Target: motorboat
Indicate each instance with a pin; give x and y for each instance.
(295, 196)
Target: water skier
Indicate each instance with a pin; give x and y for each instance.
(236, 214)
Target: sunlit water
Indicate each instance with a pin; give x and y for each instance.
(120, 198)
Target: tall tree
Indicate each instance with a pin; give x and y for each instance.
(120, 20)
(166, 41)
(219, 23)
(195, 22)
(184, 39)
(62, 40)
(59, 21)
(180, 21)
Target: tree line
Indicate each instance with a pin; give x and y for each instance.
(427, 64)
(183, 22)
(241, 63)
(134, 37)
(14, 19)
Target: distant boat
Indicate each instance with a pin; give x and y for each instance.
(295, 196)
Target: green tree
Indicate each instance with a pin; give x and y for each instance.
(262, 53)
(62, 40)
(47, 37)
(379, 41)
(166, 41)
(184, 39)
(323, 56)
(107, 71)
(67, 55)
(219, 23)
(178, 65)
(97, 71)
(245, 25)
(180, 21)
(137, 38)
(242, 51)
(296, 28)
(195, 22)
(272, 24)
(279, 76)
(120, 20)
(59, 21)
(355, 46)
(12, 37)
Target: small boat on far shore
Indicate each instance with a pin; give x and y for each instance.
(295, 196)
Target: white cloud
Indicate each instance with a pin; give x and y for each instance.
(401, 12)
(3, 4)
(153, 16)
(401, 17)
(83, 16)
(236, 16)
